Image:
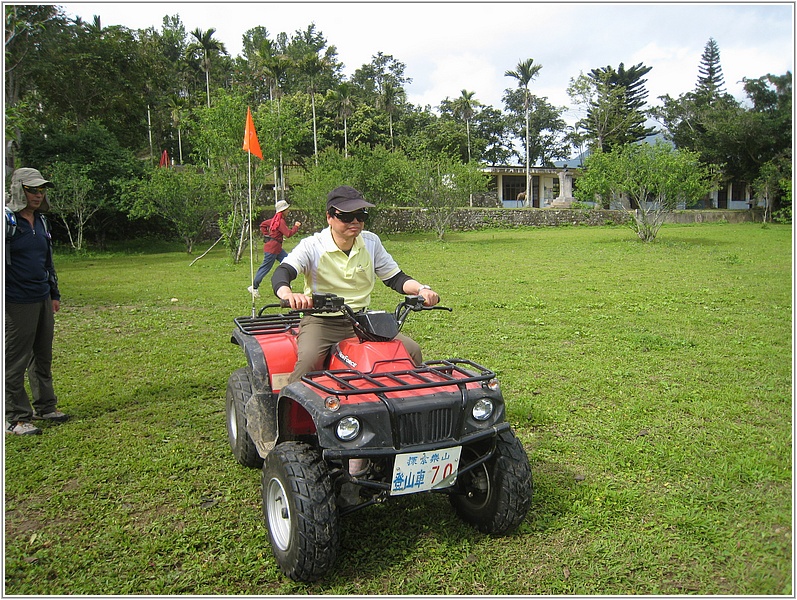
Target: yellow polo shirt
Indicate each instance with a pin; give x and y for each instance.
(329, 270)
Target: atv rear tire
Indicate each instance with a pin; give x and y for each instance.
(497, 493)
(299, 510)
(239, 390)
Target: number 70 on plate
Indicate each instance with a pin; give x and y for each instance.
(423, 471)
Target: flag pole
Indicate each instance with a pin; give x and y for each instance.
(251, 243)
(251, 146)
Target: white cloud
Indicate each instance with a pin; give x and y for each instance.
(448, 46)
(451, 74)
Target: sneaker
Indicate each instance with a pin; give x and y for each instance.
(23, 428)
(253, 291)
(56, 416)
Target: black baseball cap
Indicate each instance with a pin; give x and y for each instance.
(346, 199)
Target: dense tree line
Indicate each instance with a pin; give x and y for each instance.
(748, 143)
(102, 103)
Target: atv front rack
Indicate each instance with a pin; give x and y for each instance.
(432, 374)
(266, 324)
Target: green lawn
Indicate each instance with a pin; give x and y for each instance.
(650, 385)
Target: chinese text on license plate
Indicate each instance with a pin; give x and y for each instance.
(422, 471)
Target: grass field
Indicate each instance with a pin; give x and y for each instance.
(651, 386)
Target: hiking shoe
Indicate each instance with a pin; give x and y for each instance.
(56, 416)
(23, 428)
(253, 291)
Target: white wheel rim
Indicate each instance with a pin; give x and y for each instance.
(279, 514)
(233, 421)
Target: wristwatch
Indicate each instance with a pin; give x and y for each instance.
(424, 287)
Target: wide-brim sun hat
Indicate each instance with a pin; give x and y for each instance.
(31, 178)
(281, 206)
(346, 199)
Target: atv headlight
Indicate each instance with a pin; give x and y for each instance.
(483, 409)
(348, 428)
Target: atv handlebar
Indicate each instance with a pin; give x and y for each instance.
(413, 303)
(333, 303)
(321, 303)
(330, 303)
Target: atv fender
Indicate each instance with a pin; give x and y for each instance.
(261, 408)
(255, 359)
(323, 419)
(261, 422)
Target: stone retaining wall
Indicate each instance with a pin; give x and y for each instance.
(396, 220)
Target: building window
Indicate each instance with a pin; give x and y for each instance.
(738, 190)
(513, 185)
(722, 197)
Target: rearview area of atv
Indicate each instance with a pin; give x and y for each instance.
(370, 426)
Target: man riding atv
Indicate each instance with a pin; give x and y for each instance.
(342, 413)
(343, 260)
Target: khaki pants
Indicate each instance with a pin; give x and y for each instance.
(317, 336)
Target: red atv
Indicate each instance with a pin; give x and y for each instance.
(435, 428)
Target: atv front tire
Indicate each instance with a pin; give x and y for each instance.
(497, 494)
(299, 510)
(239, 390)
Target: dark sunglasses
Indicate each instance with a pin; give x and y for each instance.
(348, 217)
(35, 190)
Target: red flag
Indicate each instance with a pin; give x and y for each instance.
(164, 159)
(250, 137)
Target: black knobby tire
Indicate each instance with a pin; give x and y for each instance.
(239, 390)
(497, 493)
(300, 511)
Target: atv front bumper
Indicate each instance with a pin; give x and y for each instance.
(437, 405)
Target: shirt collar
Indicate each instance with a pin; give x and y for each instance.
(331, 246)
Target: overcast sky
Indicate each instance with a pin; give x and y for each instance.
(450, 46)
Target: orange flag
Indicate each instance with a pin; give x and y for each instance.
(250, 137)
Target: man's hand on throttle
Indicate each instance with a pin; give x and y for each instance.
(297, 301)
(430, 297)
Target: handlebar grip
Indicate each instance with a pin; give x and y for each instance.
(320, 302)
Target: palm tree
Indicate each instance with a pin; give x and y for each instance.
(176, 107)
(312, 66)
(525, 71)
(206, 45)
(277, 68)
(389, 101)
(342, 100)
(265, 59)
(95, 27)
(464, 107)
(264, 56)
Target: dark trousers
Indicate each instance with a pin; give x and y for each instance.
(29, 347)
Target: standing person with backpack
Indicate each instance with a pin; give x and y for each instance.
(31, 301)
(275, 230)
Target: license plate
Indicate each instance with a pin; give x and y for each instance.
(423, 471)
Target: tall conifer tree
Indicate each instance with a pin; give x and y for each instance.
(710, 81)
